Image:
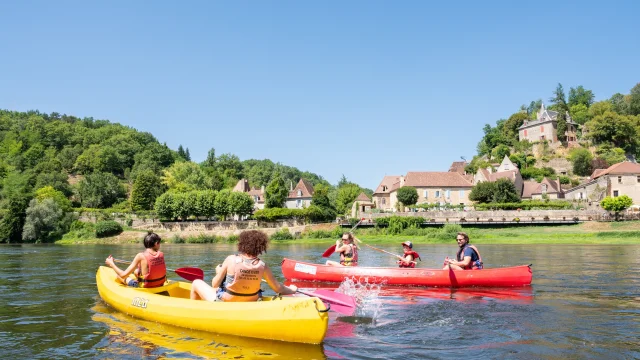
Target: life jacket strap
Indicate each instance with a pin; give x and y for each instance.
(152, 280)
(233, 293)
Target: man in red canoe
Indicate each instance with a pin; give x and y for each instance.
(409, 256)
(147, 268)
(467, 258)
(348, 252)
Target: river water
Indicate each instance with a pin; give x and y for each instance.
(584, 303)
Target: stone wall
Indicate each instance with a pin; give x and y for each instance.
(499, 215)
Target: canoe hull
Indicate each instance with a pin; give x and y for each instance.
(293, 319)
(496, 277)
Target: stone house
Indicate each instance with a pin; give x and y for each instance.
(545, 127)
(300, 196)
(550, 189)
(506, 170)
(257, 194)
(619, 179)
(437, 187)
(382, 194)
(361, 204)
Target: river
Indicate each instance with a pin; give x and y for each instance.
(584, 303)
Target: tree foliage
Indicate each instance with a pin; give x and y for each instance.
(407, 195)
(45, 221)
(616, 204)
(276, 193)
(100, 190)
(581, 159)
(147, 186)
(500, 191)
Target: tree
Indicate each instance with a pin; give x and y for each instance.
(13, 221)
(320, 200)
(581, 159)
(611, 155)
(500, 151)
(184, 176)
(560, 105)
(620, 103)
(505, 191)
(146, 188)
(482, 192)
(240, 203)
(613, 128)
(181, 153)
(48, 192)
(510, 129)
(616, 204)
(56, 179)
(634, 100)
(45, 221)
(210, 161)
(276, 193)
(580, 96)
(100, 190)
(345, 197)
(579, 113)
(407, 195)
(187, 156)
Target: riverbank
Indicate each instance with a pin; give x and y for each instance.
(584, 233)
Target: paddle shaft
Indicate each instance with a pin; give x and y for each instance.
(129, 262)
(384, 251)
(332, 248)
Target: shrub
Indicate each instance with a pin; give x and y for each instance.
(564, 179)
(282, 234)
(108, 228)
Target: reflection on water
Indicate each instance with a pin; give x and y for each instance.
(584, 303)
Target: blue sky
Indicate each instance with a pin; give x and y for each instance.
(361, 88)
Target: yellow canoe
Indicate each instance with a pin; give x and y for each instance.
(294, 319)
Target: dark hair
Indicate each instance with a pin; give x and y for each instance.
(464, 235)
(349, 235)
(253, 242)
(151, 239)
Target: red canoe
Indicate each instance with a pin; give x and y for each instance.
(496, 277)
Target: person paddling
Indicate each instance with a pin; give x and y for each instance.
(147, 268)
(467, 258)
(348, 252)
(239, 277)
(409, 257)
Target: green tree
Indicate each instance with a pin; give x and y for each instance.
(320, 200)
(599, 108)
(222, 207)
(184, 176)
(240, 203)
(615, 129)
(13, 221)
(579, 113)
(230, 166)
(616, 204)
(505, 191)
(57, 180)
(45, 221)
(620, 103)
(580, 95)
(345, 197)
(634, 100)
(210, 161)
(276, 193)
(146, 188)
(408, 195)
(482, 192)
(48, 192)
(500, 151)
(611, 155)
(510, 129)
(560, 105)
(581, 160)
(100, 190)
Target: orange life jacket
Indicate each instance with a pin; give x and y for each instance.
(245, 282)
(473, 265)
(404, 264)
(157, 274)
(349, 258)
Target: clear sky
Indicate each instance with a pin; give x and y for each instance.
(361, 88)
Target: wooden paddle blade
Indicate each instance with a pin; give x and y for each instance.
(190, 273)
(329, 251)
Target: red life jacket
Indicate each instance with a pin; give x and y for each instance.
(245, 283)
(404, 264)
(350, 258)
(157, 274)
(474, 265)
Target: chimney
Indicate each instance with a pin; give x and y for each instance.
(262, 189)
(290, 185)
(401, 181)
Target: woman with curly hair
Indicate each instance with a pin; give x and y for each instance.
(238, 277)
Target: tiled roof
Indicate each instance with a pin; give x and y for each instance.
(534, 188)
(597, 172)
(528, 189)
(622, 168)
(458, 166)
(363, 197)
(436, 179)
(305, 187)
(387, 181)
(510, 174)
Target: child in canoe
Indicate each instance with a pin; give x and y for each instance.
(239, 277)
(409, 257)
(147, 269)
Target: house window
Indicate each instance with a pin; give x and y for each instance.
(384, 201)
(299, 193)
(619, 179)
(461, 194)
(384, 187)
(448, 194)
(298, 203)
(425, 193)
(542, 128)
(437, 193)
(615, 193)
(525, 133)
(638, 178)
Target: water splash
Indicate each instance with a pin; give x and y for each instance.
(365, 294)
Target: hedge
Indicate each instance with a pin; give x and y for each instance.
(312, 213)
(527, 205)
(108, 228)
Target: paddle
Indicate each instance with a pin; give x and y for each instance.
(187, 273)
(332, 248)
(341, 303)
(384, 251)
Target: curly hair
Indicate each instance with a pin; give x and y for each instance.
(464, 235)
(253, 242)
